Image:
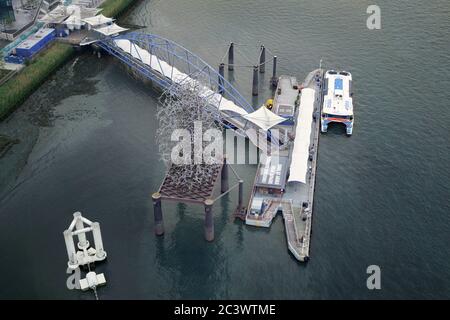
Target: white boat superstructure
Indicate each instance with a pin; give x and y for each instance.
(338, 100)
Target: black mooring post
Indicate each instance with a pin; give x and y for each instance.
(255, 81)
(262, 60)
(221, 77)
(157, 211)
(224, 176)
(231, 57)
(274, 72)
(241, 195)
(209, 220)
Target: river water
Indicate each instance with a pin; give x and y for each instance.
(382, 196)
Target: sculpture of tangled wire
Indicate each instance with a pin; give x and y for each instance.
(180, 109)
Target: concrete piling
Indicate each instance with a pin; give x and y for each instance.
(255, 81)
(224, 177)
(157, 211)
(221, 77)
(274, 72)
(231, 57)
(209, 220)
(262, 60)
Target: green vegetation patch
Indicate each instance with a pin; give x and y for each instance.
(16, 90)
(113, 8)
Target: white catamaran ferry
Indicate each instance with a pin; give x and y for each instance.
(338, 100)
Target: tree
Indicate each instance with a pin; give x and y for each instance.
(2, 62)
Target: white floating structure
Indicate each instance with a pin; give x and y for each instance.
(338, 100)
(92, 281)
(85, 254)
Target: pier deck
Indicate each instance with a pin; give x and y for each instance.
(296, 196)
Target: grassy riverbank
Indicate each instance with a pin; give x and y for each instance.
(16, 90)
(114, 8)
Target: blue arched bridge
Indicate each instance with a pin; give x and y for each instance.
(169, 65)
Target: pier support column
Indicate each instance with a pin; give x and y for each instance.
(224, 176)
(209, 220)
(255, 81)
(274, 72)
(241, 195)
(70, 246)
(221, 77)
(262, 60)
(231, 57)
(98, 242)
(82, 242)
(157, 211)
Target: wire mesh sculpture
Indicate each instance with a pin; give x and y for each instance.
(184, 107)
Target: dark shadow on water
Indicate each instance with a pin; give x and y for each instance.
(184, 253)
(336, 128)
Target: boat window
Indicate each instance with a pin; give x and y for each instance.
(344, 73)
(332, 72)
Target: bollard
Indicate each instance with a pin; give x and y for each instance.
(221, 77)
(209, 220)
(274, 72)
(224, 176)
(262, 60)
(231, 57)
(241, 195)
(255, 81)
(157, 211)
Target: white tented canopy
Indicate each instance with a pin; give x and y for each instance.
(264, 118)
(82, 11)
(111, 30)
(300, 154)
(74, 22)
(97, 20)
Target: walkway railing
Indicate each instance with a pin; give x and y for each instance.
(177, 57)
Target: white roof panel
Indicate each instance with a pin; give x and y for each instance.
(97, 20)
(264, 118)
(300, 153)
(111, 29)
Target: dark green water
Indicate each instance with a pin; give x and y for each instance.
(382, 196)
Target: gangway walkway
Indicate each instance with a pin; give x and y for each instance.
(170, 65)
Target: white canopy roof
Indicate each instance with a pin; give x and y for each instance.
(300, 153)
(82, 11)
(111, 29)
(264, 118)
(74, 19)
(97, 20)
